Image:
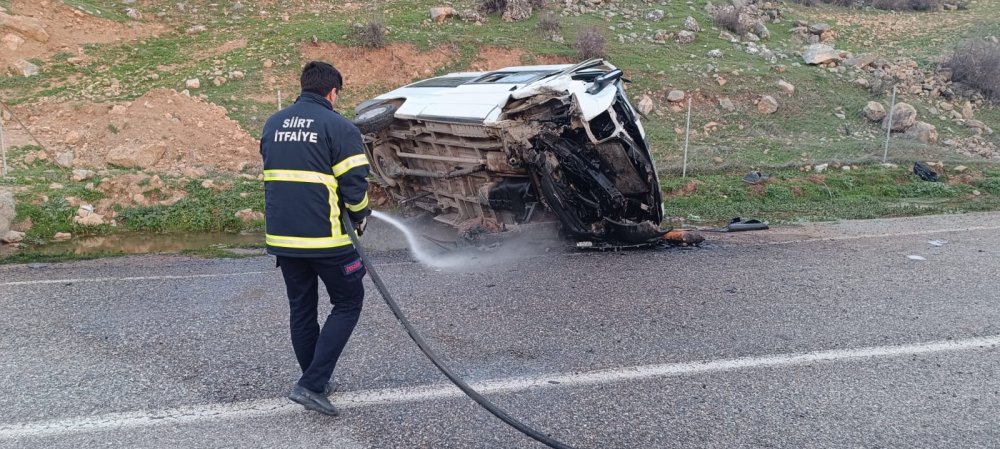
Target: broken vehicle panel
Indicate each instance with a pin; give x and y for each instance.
(517, 146)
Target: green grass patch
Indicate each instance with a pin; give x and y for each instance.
(792, 196)
(203, 210)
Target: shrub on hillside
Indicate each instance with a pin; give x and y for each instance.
(908, 5)
(591, 43)
(888, 5)
(371, 34)
(492, 6)
(729, 19)
(549, 24)
(976, 63)
(537, 4)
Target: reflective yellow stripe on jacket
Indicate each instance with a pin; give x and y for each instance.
(336, 238)
(346, 165)
(360, 206)
(307, 242)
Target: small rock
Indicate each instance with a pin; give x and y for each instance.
(655, 15)
(441, 13)
(248, 215)
(760, 30)
(12, 237)
(767, 105)
(717, 160)
(207, 184)
(197, 29)
(874, 111)
(967, 112)
(685, 37)
(645, 105)
(820, 54)
(960, 169)
(727, 104)
(217, 81)
(8, 210)
(237, 75)
(133, 14)
(715, 53)
(72, 138)
(55, 186)
(820, 168)
(691, 25)
(62, 236)
(268, 63)
(26, 68)
(193, 83)
(81, 175)
(786, 87)
(923, 132)
(862, 83)
(12, 41)
(819, 28)
(860, 61)
(728, 37)
(979, 126)
(64, 160)
(675, 96)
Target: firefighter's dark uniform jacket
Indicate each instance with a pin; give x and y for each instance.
(315, 169)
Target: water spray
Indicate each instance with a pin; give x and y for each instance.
(412, 332)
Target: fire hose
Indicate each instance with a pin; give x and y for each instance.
(415, 336)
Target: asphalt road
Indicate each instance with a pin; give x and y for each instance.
(813, 336)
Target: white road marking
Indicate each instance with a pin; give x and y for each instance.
(881, 236)
(163, 278)
(133, 278)
(391, 396)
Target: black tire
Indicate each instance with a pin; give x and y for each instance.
(375, 119)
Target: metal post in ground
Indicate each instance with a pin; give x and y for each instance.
(888, 126)
(687, 139)
(279, 99)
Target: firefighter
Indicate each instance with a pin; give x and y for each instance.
(315, 170)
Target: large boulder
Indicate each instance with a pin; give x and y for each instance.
(874, 111)
(923, 132)
(903, 117)
(7, 211)
(820, 54)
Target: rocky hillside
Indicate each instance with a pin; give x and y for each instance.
(130, 106)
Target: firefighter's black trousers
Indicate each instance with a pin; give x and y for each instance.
(316, 349)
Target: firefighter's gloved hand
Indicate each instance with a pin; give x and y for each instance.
(359, 226)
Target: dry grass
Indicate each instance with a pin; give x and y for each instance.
(492, 6)
(977, 63)
(371, 34)
(549, 23)
(729, 19)
(591, 43)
